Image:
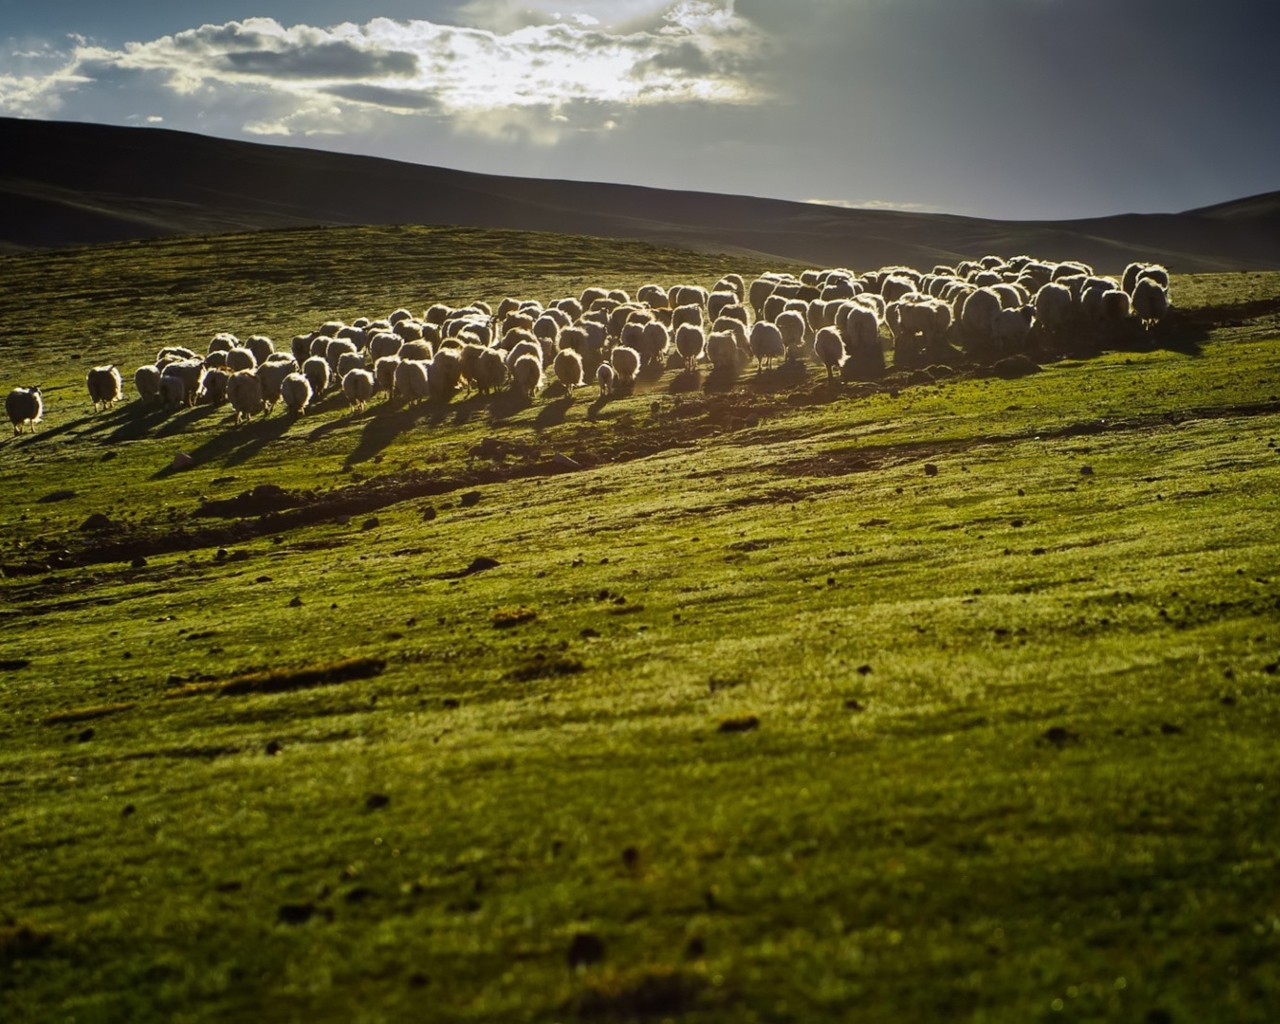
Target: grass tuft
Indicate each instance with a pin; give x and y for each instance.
(285, 680)
(505, 618)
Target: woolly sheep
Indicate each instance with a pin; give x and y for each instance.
(568, 369)
(491, 371)
(590, 296)
(105, 386)
(526, 375)
(792, 325)
(618, 295)
(653, 295)
(766, 343)
(896, 286)
(411, 379)
(295, 392)
(653, 344)
(435, 314)
(213, 386)
(408, 330)
(1053, 307)
(244, 392)
(691, 343)
(732, 283)
(384, 374)
(445, 374)
(1116, 307)
(1156, 273)
(574, 338)
(191, 372)
(261, 346)
(1150, 301)
(223, 342)
(419, 351)
(626, 364)
(357, 386)
(173, 392)
(216, 360)
(384, 343)
(330, 328)
(722, 352)
(173, 353)
(355, 335)
(571, 307)
(272, 374)
(979, 311)
(349, 361)
(828, 346)
(717, 303)
(147, 380)
(240, 359)
(524, 347)
(1010, 328)
(23, 406)
(334, 350)
(773, 305)
(400, 314)
(316, 370)
(604, 379)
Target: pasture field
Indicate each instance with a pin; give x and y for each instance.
(773, 701)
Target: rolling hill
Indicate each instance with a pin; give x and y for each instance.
(64, 184)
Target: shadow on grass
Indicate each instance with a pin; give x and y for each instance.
(235, 445)
(553, 413)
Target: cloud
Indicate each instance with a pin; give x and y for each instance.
(540, 77)
(869, 204)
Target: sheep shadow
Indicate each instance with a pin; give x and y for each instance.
(779, 378)
(598, 406)
(380, 430)
(721, 380)
(236, 444)
(685, 382)
(553, 413)
(507, 403)
(178, 424)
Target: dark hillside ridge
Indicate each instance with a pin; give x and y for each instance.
(65, 184)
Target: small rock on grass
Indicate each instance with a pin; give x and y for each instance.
(182, 461)
(1060, 736)
(930, 469)
(743, 723)
(585, 949)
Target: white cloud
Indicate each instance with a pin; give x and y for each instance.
(869, 204)
(539, 78)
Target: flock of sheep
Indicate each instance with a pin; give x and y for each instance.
(978, 310)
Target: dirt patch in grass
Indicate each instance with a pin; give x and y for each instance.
(505, 618)
(642, 993)
(24, 941)
(546, 668)
(285, 680)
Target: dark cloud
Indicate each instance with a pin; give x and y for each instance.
(398, 99)
(322, 60)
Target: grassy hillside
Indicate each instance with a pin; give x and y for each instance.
(770, 700)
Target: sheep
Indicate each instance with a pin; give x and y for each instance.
(445, 373)
(691, 343)
(688, 313)
(348, 361)
(213, 387)
(626, 364)
(653, 295)
(334, 351)
(1116, 307)
(105, 386)
(526, 375)
(357, 386)
(979, 311)
(571, 307)
(173, 391)
(1156, 273)
(355, 335)
(591, 295)
(1010, 329)
(330, 328)
(1053, 307)
(604, 379)
(410, 330)
(722, 351)
(272, 373)
(491, 371)
(732, 283)
(216, 359)
(828, 346)
(191, 372)
(717, 302)
(261, 346)
(524, 347)
(568, 369)
(173, 353)
(773, 305)
(222, 342)
(244, 392)
(147, 380)
(410, 378)
(864, 356)
(791, 324)
(1150, 301)
(241, 359)
(295, 392)
(316, 370)
(896, 286)
(766, 343)
(435, 314)
(397, 315)
(574, 338)
(729, 325)
(419, 351)
(23, 406)
(384, 374)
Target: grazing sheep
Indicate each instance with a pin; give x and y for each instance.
(435, 314)
(241, 359)
(691, 343)
(223, 342)
(792, 325)
(526, 375)
(717, 302)
(384, 374)
(896, 286)
(686, 314)
(653, 344)
(1150, 301)
(766, 343)
(445, 374)
(216, 359)
(653, 295)
(191, 372)
(384, 343)
(1010, 329)
(23, 406)
(173, 353)
(409, 330)
(1053, 308)
(300, 346)
(357, 386)
(1116, 307)
(400, 314)
(334, 350)
(773, 305)
(416, 351)
(490, 371)
(330, 328)
(349, 361)
(729, 325)
(524, 347)
(316, 370)
(147, 380)
(105, 386)
(828, 346)
(590, 296)
(1154, 272)
(864, 356)
(722, 352)
(410, 379)
(244, 392)
(604, 379)
(626, 364)
(272, 373)
(576, 339)
(732, 283)
(173, 391)
(686, 295)
(261, 346)
(568, 369)
(213, 387)
(979, 311)
(295, 392)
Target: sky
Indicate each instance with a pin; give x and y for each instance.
(1012, 109)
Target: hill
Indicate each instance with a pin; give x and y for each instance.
(939, 698)
(74, 184)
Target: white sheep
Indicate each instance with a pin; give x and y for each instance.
(653, 295)
(334, 350)
(490, 371)
(1150, 301)
(384, 374)
(691, 344)
(410, 379)
(147, 381)
(213, 386)
(1010, 328)
(349, 361)
(173, 391)
(105, 386)
(241, 359)
(791, 324)
(300, 346)
(316, 370)
(357, 386)
(604, 379)
(1116, 307)
(272, 373)
(191, 373)
(722, 352)
(223, 342)
(526, 375)
(626, 364)
(1054, 307)
(420, 351)
(828, 346)
(980, 309)
(568, 369)
(445, 374)
(295, 392)
(244, 392)
(766, 343)
(24, 406)
(717, 302)
(173, 353)
(216, 359)
(384, 343)
(261, 346)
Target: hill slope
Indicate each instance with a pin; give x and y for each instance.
(67, 184)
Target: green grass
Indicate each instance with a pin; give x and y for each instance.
(1015, 751)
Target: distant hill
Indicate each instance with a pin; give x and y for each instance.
(64, 184)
